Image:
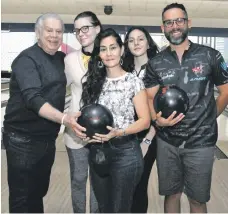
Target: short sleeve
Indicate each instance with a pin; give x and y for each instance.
(219, 69)
(150, 79)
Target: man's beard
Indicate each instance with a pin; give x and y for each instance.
(176, 40)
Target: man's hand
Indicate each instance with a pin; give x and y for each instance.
(70, 120)
(170, 121)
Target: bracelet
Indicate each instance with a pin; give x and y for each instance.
(63, 119)
(156, 126)
(154, 122)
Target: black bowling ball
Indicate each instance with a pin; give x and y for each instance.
(95, 118)
(169, 99)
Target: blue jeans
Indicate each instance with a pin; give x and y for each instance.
(115, 191)
(29, 164)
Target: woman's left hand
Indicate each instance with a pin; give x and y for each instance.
(102, 137)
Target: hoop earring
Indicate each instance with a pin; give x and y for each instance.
(100, 64)
(121, 61)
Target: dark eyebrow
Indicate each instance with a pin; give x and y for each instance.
(109, 45)
(142, 35)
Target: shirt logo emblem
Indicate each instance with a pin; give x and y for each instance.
(198, 70)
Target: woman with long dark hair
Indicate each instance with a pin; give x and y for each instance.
(86, 28)
(123, 93)
(139, 48)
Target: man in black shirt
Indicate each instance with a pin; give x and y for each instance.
(185, 143)
(33, 116)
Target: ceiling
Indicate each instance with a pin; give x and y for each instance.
(204, 13)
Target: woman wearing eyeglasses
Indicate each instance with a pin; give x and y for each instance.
(139, 48)
(86, 28)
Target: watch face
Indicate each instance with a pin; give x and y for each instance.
(147, 141)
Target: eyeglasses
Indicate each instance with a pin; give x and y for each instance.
(84, 29)
(178, 21)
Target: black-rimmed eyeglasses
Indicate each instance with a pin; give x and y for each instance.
(84, 29)
(178, 21)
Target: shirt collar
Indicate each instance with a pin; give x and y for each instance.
(143, 67)
(191, 45)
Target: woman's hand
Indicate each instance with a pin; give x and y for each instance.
(102, 137)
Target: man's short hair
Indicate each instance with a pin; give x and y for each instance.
(43, 17)
(175, 5)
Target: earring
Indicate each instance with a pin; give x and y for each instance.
(100, 64)
(121, 61)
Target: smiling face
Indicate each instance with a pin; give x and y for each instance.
(176, 26)
(110, 52)
(85, 31)
(50, 35)
(137, 43)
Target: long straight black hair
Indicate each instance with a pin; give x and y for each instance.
(96, 75)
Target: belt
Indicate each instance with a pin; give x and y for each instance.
(115, 141)
(123, 139)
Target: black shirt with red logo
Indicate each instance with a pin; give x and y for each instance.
(200, 70)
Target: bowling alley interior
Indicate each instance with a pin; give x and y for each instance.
(209, 28)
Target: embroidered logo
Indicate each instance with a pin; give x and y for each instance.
(198, 70)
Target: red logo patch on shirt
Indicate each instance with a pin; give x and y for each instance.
(197, 70)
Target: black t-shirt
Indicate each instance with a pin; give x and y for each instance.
(37, 78)
(201, 68)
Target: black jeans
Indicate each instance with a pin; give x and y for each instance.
(29, 164)
(140, 199)
(114, 192)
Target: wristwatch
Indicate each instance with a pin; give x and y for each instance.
(147, 141)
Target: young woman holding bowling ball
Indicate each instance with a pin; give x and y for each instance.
(86, 28)
(139, 47)
(121, 92)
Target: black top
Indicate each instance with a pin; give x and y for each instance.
(141, 75)
(37, 78)
(141, 72)
(201, 68)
